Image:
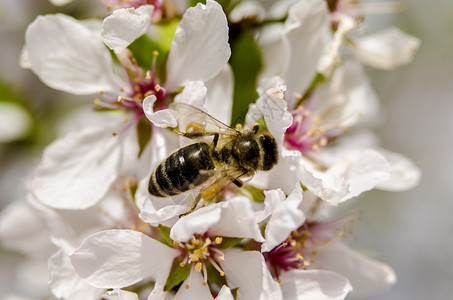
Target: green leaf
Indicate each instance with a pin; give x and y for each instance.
(246, 63)
(228, 242)
(214, 276)
(144, 130)
(143, 47)
(165, 233)
(177, 274)
(234, 292)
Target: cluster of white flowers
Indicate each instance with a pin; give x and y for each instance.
(89, 221)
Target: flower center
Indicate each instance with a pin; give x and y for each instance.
(307, 133)
(299, 249)
(141, 85)
(198, 252)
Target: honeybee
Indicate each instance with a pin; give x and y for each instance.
(219, 156)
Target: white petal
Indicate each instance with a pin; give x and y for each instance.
(194, 93)
(270, 42)
(196, 288)
(66, 55)
(121, 295)
(21, 225)
(273, 107)
(247, 270)
(314, 284)
(365, 274)
(352, 98)
(404, 174)
(24, 61)
(368, 169)
(65, 283)
(330, 57)
(124, 25)
(307, 32)
(247, 10)
(240, 210)
(329, 186)
(77, 170)
(60, 2)
(197, 222)
(387, 49)
(15, 122)
(224, 294)
(285, 218)
(219, 98)
(118, 258)
(200, 47)
(161, 118)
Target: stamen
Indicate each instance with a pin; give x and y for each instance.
(218, 240)
(216, 266)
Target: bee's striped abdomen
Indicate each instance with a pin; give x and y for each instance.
(180, 172)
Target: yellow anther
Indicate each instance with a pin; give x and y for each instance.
(284, 244)
(155, 53)
(279, 281)
(221, 258)
(299, 118)
(315, 147)
(222, 273)
(317, 119)
(299, 256)
(157, 87)
(121, 90)
(181, 264)
(312, 261)
(238, 126)
(193, 257)
(204, 283)
(96, 101)
(175, 243)
(306, 263)
(187, 286)
(293, 243)
(101, 92)
(125, 121)
(323, 141)
(198, 267)
(218, 240)
(307, 113)
(114, 133)
(315, 252)
(132, 227)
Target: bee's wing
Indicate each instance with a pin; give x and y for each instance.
(189, 113)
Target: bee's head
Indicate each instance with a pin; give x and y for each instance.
(270, 152)
(256, 152)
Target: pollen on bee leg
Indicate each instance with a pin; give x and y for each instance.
(195, 127)
(210, 192)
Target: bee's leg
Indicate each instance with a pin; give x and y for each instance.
(193, 206)
(207, 193)
(215, 140)
(238, 183)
